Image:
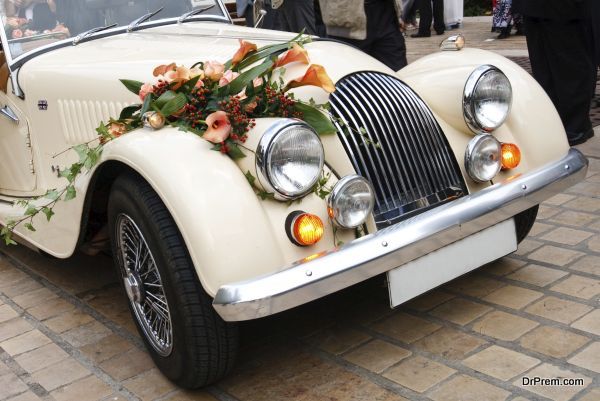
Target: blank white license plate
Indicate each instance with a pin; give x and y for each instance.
(460, 257)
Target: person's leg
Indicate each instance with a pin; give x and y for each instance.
(249, 15)
(573, 72)
(426, 16)
(296, 15)
(562, 65)
(438, 16)
(387, 42)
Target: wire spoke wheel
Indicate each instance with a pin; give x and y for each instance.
(143, 285)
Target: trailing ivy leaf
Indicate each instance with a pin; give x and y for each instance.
(315, 118)
(82, 152)
(128, 111)
(234, 151)
(7, 237)
(92, 157)
(29, 226)
(52, 194)
(48, 212)
(70, 193)
(31, 210)
(235, 86)
(251, 179)
(132, 85)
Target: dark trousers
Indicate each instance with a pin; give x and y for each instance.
(562, 65)
(296, 15)
(384, 40)
(425, 10)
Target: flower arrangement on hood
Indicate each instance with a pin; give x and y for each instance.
(216, 101)
(220, 101)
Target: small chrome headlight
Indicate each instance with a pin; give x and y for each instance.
(483, 157)
(351, 201)
(487, 99)
(289, 159)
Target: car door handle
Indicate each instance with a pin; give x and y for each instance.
(10, 114)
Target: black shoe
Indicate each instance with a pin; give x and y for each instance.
(577, 138)
(504, 33)
(420, 35)
(439, 32)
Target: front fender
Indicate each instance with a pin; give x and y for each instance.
(533, 123)
(218, 214)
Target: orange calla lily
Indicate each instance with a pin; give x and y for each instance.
(296, 54)
(315, 75)
(219, 127)
(163, 69)
(245, 48)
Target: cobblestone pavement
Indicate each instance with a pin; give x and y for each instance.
(66, 334)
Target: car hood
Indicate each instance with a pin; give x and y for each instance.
(79, 69)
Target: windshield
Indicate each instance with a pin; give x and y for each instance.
(29, 24)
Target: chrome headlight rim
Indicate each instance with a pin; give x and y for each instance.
(338, 190)
(472, 150)
(263, 150)
(469, 113)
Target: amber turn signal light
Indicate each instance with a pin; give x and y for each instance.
(304, 228)
(511, 156)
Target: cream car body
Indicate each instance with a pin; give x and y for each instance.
(60, 96)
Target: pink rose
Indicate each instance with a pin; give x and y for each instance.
(219, 127)
(13, 22)
(145, 90)
(213, 70)
(249, 108)
(117, 129)
(17, 33)
(227, 77)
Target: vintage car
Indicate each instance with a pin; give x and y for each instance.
(429, 172)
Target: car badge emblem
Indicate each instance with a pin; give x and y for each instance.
(43, 105)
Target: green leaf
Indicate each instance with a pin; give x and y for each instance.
(31, 210)
(147, 102)
(133, 86)
(234, 151)
(170, 102)
(70, 193)
(29, 226)
(48, 212)
(82, 152)
(128, 111)
(251, 179)
(52, 194)
(189, 85)
(316, 118)
(235, 86)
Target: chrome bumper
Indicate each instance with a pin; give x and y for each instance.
(331, 271)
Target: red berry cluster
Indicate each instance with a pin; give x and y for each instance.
(195, 109)
(280, 103)
(241, 123)
(161, 87)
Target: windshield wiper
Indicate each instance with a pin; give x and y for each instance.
(77, 39)
(192, 13)
(143, 18)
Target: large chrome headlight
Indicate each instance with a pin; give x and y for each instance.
(483, 157)
(487, 99)
(289, 159)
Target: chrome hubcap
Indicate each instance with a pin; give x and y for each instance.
(143, 285)
(133, 288)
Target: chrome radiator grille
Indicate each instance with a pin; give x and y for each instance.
(393, 140)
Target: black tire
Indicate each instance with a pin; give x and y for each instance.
(200, 348)
(524, 221)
